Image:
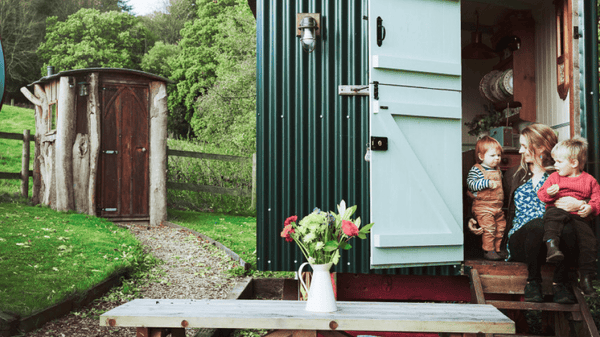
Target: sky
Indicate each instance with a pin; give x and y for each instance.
(143, 7)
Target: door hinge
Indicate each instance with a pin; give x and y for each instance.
(379, 143)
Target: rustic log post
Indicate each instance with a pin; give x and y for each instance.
(81, 171)
(158, 153)
(253, 198)
(93, 114)
(65, 134)
(25, 165)
(41, 107)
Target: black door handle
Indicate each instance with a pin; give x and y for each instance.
(380, 31)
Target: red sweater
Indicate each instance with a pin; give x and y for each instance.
(582, 187)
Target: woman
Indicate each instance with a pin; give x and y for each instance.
(525, 226)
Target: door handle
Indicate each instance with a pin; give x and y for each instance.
(380, 31)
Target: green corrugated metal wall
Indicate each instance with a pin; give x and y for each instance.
(311, 142)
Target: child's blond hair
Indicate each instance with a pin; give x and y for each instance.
(572, 149)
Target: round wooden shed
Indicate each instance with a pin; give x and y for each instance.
(101, 143)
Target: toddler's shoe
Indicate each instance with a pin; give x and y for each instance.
(533, 292)
(491, 255)
(562, 294)
(554, 254)
(585, 284)
(503, 254)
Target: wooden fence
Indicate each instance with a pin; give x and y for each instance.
(25, 172)
(216, 189)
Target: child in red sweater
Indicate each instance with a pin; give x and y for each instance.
(569, 180)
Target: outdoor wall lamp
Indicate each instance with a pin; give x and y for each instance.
(83, 88)
(308, 29)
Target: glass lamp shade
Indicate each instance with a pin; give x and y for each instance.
(308, 40)
(477, 50)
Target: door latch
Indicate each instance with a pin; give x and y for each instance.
(379, 143)
(110, 152)
(109, 209)
(375, 90)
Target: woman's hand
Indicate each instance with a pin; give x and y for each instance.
(569, 204)
(472, 227)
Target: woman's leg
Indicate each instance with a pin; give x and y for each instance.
(526, 245)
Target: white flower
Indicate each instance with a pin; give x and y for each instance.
(319, 245)
(342, 207)
(311, 260)
(309, 237)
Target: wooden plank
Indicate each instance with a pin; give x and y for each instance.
(351, 316)
(545, 306)
(208, 189)
(16, 136)
(212, 156)
(585, 312)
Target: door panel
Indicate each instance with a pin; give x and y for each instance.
(416, 186)
(124, 158)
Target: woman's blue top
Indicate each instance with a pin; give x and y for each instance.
(527, 204)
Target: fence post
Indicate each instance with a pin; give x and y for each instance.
(25, 165)
(253, 198)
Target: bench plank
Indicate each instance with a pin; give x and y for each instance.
(290, 315)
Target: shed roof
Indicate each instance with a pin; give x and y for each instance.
(101, 70)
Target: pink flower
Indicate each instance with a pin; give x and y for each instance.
(349, 228)
(285, 233)
(289, 220)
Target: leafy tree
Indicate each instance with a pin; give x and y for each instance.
(226, 113)
(158, 59)
(195, 68)
(90, 38)
(166, 26)
(63, 8)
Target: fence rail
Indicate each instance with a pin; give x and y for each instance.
(25, 172)
(216, 189)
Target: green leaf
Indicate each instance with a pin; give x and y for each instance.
(366, 228)
(362, 235)
(346, 246)
(330, 246)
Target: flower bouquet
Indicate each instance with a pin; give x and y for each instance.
(320, 235)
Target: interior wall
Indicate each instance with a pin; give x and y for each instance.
(473, 103)
(551, 109)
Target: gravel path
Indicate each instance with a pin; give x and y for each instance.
(192, 269)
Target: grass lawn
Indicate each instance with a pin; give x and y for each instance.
(47, 256)
(15, 120)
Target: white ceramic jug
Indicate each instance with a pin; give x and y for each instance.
(320, 294)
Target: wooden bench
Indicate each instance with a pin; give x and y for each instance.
(502, 285)
(155, 318)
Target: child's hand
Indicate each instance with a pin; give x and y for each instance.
(493, 184)
(585, 210)
(472, 227)
(553, 190)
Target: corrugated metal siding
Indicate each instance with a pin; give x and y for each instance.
(311, 142)
(551, 110)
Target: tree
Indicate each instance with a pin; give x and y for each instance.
(20, 30)
(90, 38)
(167, 26)
(225, 114)
(158, 59)
(195, 68)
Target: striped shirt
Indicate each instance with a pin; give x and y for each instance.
(475, 180)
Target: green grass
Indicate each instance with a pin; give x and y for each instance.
(15, 120)
(47, 256)
(208, 172)
(238, 233)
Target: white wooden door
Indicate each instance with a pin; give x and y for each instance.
(415, 102)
